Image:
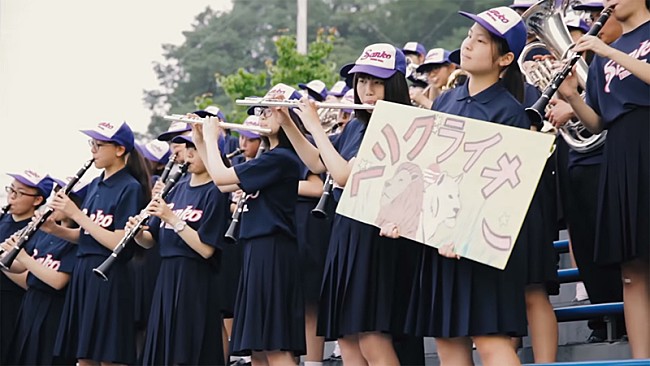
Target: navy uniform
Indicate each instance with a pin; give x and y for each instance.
(460, 298)
(97, 321)
(38, 321)
(185, 326)
(11, 294)
(360, 270)
(540, 229)
(269, 308)
(621, 99)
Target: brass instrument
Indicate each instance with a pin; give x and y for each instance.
(546, 20)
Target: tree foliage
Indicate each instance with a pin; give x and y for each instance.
(251, 46)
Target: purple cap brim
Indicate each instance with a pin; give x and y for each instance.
(143, 150)
(182, 139)
(169, 135)
(22, 180)
(454, 56)
(375, 71)
(482, 22)
(593, 6)
(249, 134)
(95, 135)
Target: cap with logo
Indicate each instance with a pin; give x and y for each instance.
(504, 23)
(381, 60)
(252, 121)
(414, 48)
(155, 150)
(339, 89)
(279, 91)
(175, 129)
(435, 57)
(119, 134)
(31, 178)
(79, 189)
(316, 89)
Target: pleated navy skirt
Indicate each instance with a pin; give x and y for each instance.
(144, 266)
(228, 278)
(622, 231)
(185, 322)
(313, 236)
(358, 290)
(97, 319)
(534, 243)
(269, 310)
(463, 298)
(36, 326)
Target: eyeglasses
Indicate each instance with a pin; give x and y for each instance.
(11, 191)
(95, 145)
(263, 112)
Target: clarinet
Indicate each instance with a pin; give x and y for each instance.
(536, 111)
(105, 267)
(239, 208)
(319, 211)
(33, 226)
(5, 210)
(168, 167)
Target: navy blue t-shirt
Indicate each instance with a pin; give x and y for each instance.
(8, 227)
(531, 95)
(347, 144)
(275, 175)
(494, 104)
(204, 208)
(612, 90)
(109, 203)
(51, 252)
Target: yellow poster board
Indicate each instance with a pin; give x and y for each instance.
(446, 180)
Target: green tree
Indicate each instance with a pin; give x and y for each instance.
(290, 67)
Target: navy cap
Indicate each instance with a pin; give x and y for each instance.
(381, 60)
(522, 4)
(183, 139)
(316, 89)
(454, 56)
(345, 73)
(112, 132)
(505, 23)
(42, 182)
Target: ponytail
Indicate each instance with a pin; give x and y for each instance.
(511, 75)
(137, 167)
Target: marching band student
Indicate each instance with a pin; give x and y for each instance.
(578, 187)
(48, 262)
(269, 310)
(358, 291)
(617, 101)
(97, 323)
(26, 193)
(437, 66)
(185, 326)
(157, 154)
(337, 91)
(414, 53)
(464, 300)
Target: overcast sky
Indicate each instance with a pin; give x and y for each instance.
(65, 65)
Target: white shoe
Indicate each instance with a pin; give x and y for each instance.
(581, 292)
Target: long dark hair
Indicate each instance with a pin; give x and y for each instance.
(512, 78)
(137, 167)
(396, 90)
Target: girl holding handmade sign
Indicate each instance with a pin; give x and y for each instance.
(469, 301)
(617, 100)
(269, 308)
(358, 303)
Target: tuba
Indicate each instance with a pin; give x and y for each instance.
(546, 20)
